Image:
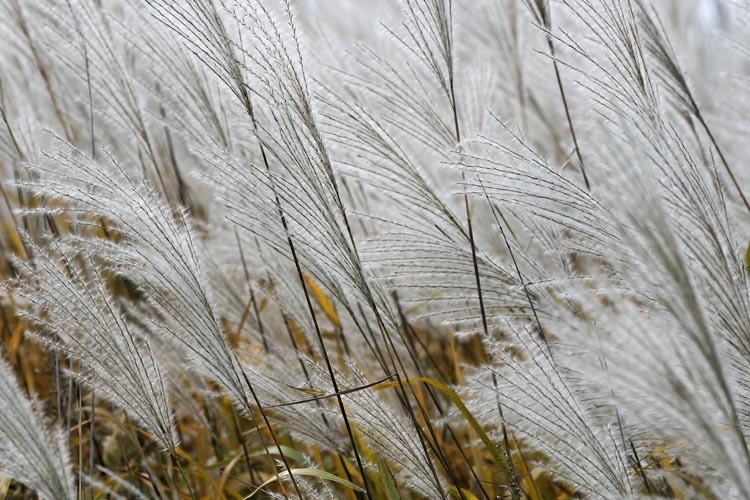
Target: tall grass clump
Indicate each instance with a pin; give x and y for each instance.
(396, 249)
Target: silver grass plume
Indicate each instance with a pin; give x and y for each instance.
(157, 251)
(78, 316)
(31, 452)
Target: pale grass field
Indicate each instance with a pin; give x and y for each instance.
(467, 249)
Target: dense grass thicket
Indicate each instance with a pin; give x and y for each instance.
(465, 249)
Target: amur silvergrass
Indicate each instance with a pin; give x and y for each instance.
(288, 248)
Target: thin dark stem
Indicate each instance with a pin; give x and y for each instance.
(92, 440)
(58, 386)
(723, 159)
(184, 477)
(249, 108)
(79, 429)
(518, 270)
(478, 281)
(267, 422)
(69, 411)
(335, 395)
(474, 260)
(407, 328)
(254, 303)
(241, 439)
(637, 465)
(551, 44)
(326, 358)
